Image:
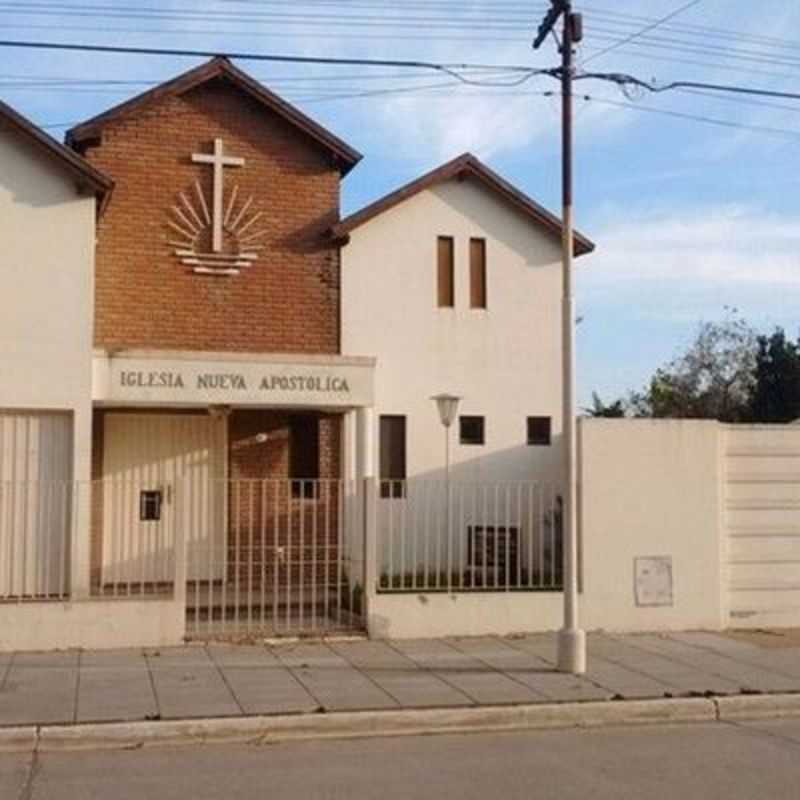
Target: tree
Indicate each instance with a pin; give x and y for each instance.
(713, 379)
(776, 393)
(609, 410)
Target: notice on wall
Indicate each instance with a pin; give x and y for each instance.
(653, 581)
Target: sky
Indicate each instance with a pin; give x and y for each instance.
(690, 196)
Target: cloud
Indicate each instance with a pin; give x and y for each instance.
(703, 247)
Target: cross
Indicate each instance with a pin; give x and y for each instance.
(218, 161)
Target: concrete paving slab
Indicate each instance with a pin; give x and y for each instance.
(40, 688)
(123, 659)
(333, 682)
(714, 641)
(468, 674)
(745, 677)
(683, 679)
(400, 677)
(542, 645)
(189, 685)
(177, 656)
(115, 686)
(228, 656)
(624, 683)
(260, 683)
(58, 659)
(545, 680)
(622, 678)
(783, 661)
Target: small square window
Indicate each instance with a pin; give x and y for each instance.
(150, 506)
(471, 430)
(539, 430)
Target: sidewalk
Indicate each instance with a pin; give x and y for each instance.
(218, 680)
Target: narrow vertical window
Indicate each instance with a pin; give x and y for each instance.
(392, 455)
(445, 272)
(477, 273)
(304, 454)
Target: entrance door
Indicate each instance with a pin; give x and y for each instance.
(147, 459)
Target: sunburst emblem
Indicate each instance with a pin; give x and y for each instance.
(222, 239)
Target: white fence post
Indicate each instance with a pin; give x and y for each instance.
(370, 510)
(179, 538)
(80, 528)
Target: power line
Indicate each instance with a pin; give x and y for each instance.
(455, 70)
(784, 132)
(646, 29)
(623, 80)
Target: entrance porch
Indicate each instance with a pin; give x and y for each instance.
(255, 498)
(188, 458)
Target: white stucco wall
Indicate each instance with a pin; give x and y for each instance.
(504, 361)
(651, 488)
(92, 624)
(647, 488)
(46, 285)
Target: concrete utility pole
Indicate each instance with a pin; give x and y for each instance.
(571, 639)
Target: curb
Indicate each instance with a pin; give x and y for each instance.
(740, 708)
(359, 724)
(18, 740)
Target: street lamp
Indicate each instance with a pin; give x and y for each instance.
(447, 406)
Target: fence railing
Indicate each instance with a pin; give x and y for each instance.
(463, 537)
(275, 555)
(288, 560)
(35, 539)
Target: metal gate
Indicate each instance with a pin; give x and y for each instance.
(285, 558)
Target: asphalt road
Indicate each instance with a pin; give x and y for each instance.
(734, 762)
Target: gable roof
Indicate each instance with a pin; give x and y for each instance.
(88, 178)
(465, 166)
(220, 67)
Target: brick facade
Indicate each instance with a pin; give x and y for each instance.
(288, 301)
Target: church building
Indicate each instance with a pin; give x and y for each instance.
(200, 356)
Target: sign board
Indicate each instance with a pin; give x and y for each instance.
(321, 381)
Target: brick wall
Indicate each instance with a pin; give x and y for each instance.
(288, 301)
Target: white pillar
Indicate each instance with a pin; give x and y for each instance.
(368, 493)
(366, 443)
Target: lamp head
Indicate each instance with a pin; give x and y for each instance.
(447, 405)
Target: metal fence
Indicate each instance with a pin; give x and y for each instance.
(35, 540)
(464, 537)
(289, 560)
(273, 556)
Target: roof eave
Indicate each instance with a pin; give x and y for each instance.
(343, 155)
(88, 178)
(464, 166)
